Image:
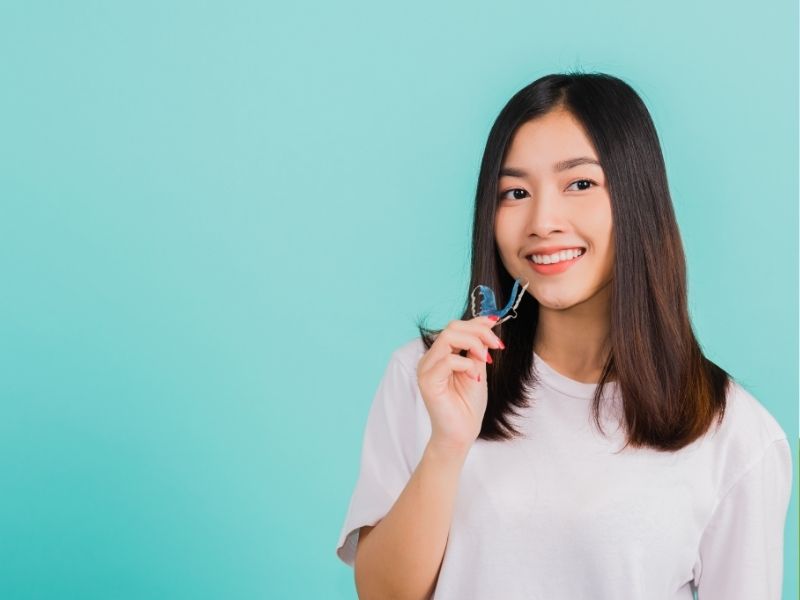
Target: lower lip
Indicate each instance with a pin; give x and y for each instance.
(555, 268)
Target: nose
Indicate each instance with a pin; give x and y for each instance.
(545, 214)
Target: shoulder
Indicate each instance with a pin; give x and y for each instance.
(399, 385)
(400, 403)
(746, 434)
(747, 420)
(407, 355)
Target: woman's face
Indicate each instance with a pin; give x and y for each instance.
(545, 207)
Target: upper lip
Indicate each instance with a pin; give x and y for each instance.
(551, 249)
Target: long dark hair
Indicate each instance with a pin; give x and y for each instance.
(670, 391)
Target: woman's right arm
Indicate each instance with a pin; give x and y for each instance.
(401, 555)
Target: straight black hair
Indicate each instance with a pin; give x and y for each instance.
(670, 391)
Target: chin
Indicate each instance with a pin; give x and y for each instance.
(556, 299)
(559, 303)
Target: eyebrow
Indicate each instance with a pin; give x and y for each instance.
(562, 165)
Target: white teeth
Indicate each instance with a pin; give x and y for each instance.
(548, 259)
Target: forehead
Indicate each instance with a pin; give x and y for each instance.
(550, 137)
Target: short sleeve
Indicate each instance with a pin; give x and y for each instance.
(741, 549)
(387, 455)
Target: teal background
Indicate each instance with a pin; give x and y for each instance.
(219, 219)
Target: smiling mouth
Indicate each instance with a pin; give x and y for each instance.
(555, 268)
(546, 260)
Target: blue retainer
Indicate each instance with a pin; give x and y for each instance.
(488, 304)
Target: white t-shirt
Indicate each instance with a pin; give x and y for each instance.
(557, 514)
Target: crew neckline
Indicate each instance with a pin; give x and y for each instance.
(561, 383)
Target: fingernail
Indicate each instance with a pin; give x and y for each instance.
(488, 358)
(493, 318)
(502, 345)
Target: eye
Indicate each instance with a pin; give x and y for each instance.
(516, 197)
(582, 181)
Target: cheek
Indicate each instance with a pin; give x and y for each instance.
(504, 235)
(608, 255)
(601, 227)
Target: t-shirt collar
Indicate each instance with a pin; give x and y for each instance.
(561, 383)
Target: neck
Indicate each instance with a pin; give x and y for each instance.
(575, 341)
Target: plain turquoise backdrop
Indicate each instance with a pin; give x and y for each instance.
(219, 219)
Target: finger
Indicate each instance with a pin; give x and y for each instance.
(453, 363)
(485, 320)
(438, 372)
(453, 341)
(489, 337)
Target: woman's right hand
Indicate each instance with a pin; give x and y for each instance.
(454, 386)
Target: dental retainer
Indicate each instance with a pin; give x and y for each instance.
(488, 303)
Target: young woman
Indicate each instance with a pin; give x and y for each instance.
(585, 449)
